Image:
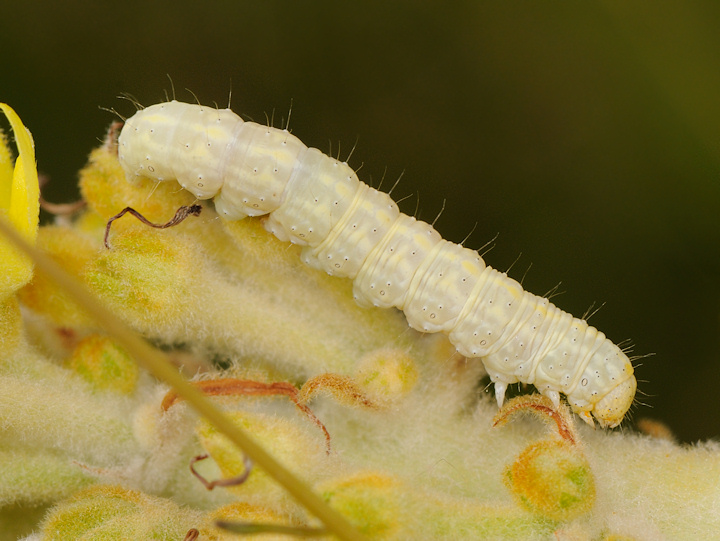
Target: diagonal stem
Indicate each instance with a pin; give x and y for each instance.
(156, 363)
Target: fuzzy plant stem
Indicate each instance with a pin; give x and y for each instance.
(156, 363)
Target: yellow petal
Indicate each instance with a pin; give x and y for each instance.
(19, 203)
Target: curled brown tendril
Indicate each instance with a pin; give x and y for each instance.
(543, 407)
(229, 482)
(62, 209)
(235, 387)
(344, 389)
(181, 213)
(58, 209)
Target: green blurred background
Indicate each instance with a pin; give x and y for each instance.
(587, 134)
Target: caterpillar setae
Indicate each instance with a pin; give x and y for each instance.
(350, 229)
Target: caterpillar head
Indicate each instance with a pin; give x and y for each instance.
(611, 408)
(606, 388)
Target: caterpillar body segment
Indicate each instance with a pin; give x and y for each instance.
(349, 229)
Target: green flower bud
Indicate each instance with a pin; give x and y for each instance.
(297, 448)
(552, 478)
(371, 501)
(103, 363)
(386, 375)
(109, 513)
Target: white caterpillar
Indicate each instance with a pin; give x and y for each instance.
(349, 229)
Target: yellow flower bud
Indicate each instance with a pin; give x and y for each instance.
(146, 276)
(108, 513)
(298, 449)
(371, 501)
(386, 375)
(552, 478)
(73, 251)
(103, 363)
(104, 186)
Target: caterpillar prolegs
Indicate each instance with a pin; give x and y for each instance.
(350, 229)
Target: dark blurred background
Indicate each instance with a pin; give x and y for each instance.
(587, 134)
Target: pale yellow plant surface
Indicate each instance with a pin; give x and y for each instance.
(389, 428)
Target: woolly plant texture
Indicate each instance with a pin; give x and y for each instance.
(390, 427)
